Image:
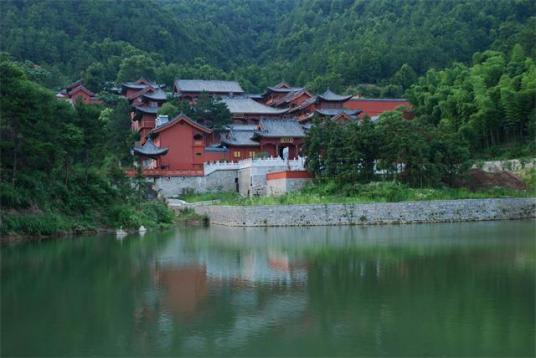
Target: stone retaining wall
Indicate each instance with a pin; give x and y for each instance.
(513, 165)
(217, 181)
(371, 214)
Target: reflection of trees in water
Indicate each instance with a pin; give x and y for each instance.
(446, 304)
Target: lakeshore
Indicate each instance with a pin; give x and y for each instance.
(433, 211)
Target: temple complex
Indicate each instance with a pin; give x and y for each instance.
(265, 129)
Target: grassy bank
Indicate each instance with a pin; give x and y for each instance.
(189, 217)
(331, 193)
(151, 214)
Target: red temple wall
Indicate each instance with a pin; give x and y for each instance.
(179, 139)
(243, 152)
(84, 97)
(375, 107)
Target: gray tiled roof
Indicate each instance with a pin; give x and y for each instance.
(247, 105)
(285, 89)
(208, 86)
(242, 127)
(156, 95)
(307, 126)
(334, 111)
(216, 148)
(239, 138)
(149, 149)
(280, 128)
(147, 109)
(240, 135)
(255, 95)
(332, 96)
(141, 84)
(379, 99)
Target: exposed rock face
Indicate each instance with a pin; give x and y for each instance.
(478, 179)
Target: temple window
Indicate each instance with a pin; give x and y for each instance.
(236, 154)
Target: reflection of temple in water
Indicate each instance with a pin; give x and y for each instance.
(251, 267)
(190, 284)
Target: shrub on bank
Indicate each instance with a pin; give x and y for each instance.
(150, 214)
(34, 224)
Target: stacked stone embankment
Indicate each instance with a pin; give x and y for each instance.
(436, 211)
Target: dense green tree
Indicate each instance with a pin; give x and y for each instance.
(210, 112)
(489, 103)
(168, 109)
(320, 43)
(60, 165)
(404, 77)
(138, 66)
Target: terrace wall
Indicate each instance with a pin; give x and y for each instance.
(435, 211)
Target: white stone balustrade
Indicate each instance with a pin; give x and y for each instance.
(294, 164)
(211, 167)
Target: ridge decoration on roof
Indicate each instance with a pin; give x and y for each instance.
(284, 87)
(212, 86)
(149, 149)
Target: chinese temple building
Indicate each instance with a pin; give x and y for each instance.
(283, 94)
(269, 136)
(274, 135)
(76, 91)
(149, 96)
(146, 98)
(327, 104)
(245, 110)
(186, 141)
(143, 120)
(239, 141)
(191, 89)
(128, 89)
(149, 153)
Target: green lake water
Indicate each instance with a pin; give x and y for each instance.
(410, 290)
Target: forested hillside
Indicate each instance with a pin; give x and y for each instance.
(319, 43)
